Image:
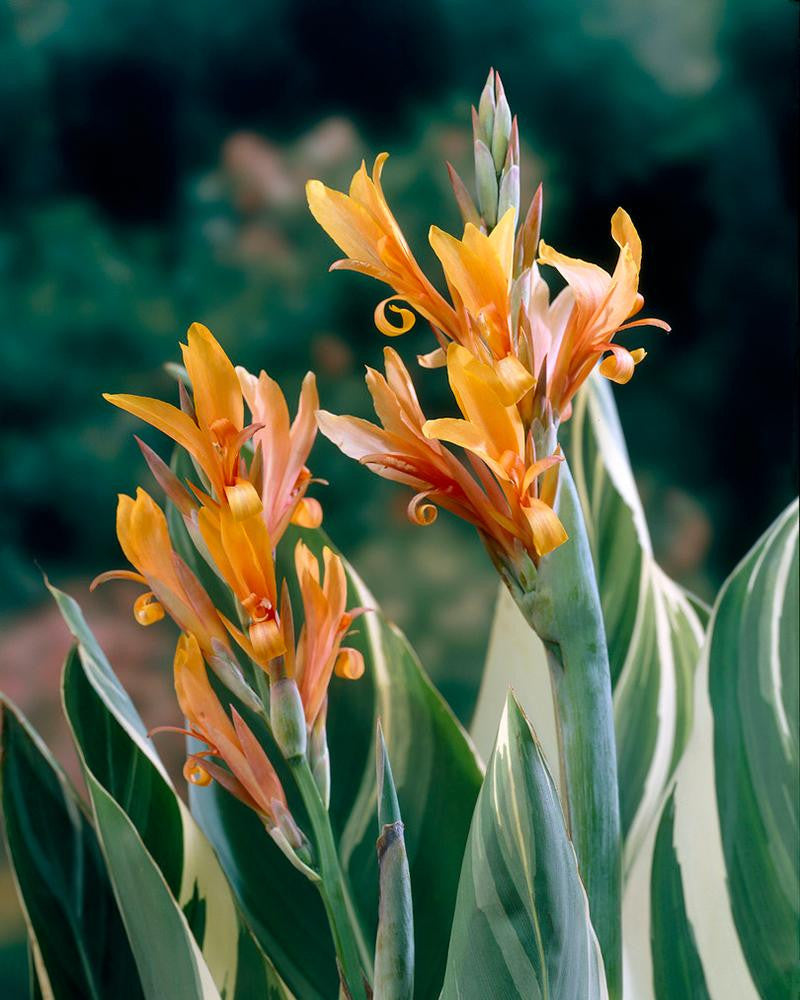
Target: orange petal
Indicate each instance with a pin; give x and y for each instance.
(216, 389)
(349, 664)
(308, 513)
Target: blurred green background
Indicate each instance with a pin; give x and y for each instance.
(152, 163)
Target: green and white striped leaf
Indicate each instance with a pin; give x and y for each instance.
(133, 799)
(654, 630)
(78, 944)
(713, 900)
(521, 927)
(430, 753)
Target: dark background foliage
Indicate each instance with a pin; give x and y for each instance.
(152, 161)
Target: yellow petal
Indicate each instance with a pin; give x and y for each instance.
(308, 513)
(215, 385)
(349, 664)
(243, 499)
(348, 223)
(547, 530)
(386, 327)
(175, 424)
(515, 380)
(624, 233)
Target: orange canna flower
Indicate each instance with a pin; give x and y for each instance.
(509, 492)
(249, 775)
(501, 310)
(215, 435)
(243, 554)
(144, 538)
(319, 653)
(284, 447)
(578, 328)
(363, 227)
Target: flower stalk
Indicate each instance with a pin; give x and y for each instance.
(352, 954)
(560, 601)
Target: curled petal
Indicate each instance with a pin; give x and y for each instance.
(267, 640)
(243, 499)
(147, 610)
(420, 512)
(407, 317)
(308, 513)
(349, 664)
(619, 365)
(195, 773)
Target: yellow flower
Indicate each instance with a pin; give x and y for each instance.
(501, 310)
(242, 552)
(509, 492)
(363, 227)
(283, 449)
(215, 436)
(580, 325)
(144, 538)
(318, 652)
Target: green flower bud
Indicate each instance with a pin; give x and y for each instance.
(319, 758)
(486, 110)
(486, 183)
(509, 193)
(287, 718)
(501, 132)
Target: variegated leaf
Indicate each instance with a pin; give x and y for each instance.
(521, 926)
(712, 905)
(78, 946)
(653, 629)
(134, 801)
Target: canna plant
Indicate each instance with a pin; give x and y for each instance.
(633, 831)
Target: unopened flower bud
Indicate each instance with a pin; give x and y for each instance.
(486, 183)
(501, 131)
(287, 718)
(486, 108)
(319, 757)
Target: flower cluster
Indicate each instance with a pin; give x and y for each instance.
(249, 483)
(514, 357)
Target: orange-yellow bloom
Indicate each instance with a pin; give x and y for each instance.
(579, 328)
(502, 495)
(250, 775)
(284, 447)
(242, 551)
(500, 308)
(363, 227)
(144, 538)
(216, 434)
(318, 652)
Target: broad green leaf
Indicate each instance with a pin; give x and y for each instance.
(653, 629)
(78, 944)
(521, 927)
(430, 754)
(725, 854)
(166, 952)
(124, 765)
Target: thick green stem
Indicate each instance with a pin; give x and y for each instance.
(561, 602)
(351, 950)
